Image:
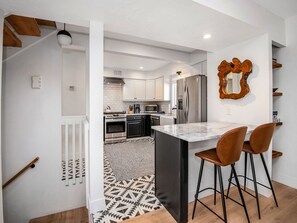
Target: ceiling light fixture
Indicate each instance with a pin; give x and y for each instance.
(178, 73)
(206, 36)
(64, 37)
(141, 68)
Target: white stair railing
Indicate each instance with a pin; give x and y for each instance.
(74, 141)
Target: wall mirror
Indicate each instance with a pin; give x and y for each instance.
(233, 78)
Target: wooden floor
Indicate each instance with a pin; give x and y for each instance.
(285, 213)
(78, 215)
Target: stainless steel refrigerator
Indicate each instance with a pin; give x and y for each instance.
(191, 99)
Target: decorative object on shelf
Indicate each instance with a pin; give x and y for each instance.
(233, 78)
(274, 89)
(64, 37)
(275, 116)
(130, 110)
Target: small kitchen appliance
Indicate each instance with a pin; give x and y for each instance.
(136, 108)
(151, 108)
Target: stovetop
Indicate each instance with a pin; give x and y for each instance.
(119, 114)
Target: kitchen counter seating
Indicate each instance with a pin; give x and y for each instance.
(175, 163)
(226, 153)
(258, 144)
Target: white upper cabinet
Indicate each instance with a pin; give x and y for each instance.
(147, 90)
(160, 88)
(134, 89)
(150, 89)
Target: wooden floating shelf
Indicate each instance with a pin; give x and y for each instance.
(276, 154)
(277, 93)
(278, 123)
(276, 65)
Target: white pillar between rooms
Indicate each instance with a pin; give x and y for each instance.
(1, 49)
(95, 192)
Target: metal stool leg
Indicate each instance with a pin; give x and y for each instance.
(245, 168)
(198, 186)
(267, 173)
(255, 183)
(229, 185)
(215, 185)
(240, 192)
(222, 193)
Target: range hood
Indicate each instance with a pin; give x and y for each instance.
(113, 80)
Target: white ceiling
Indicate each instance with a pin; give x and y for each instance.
(118, 61)
(282, 8)
(177, 22)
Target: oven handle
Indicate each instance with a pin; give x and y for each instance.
(115, 120)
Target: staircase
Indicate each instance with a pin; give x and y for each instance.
(16, 26)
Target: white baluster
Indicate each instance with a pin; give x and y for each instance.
(73, 153)
(66, 154)
(80, 153)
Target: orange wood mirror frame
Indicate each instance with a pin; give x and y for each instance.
(235, 66)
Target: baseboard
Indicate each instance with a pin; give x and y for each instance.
(96, 205)
(287, 180)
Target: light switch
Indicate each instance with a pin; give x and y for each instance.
(36, 82)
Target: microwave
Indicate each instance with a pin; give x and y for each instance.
(151, 108)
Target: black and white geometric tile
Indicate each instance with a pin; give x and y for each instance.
(70, 169)
(126, 199)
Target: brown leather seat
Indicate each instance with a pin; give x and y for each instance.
(228, 148)
(227, 152)
(260, 139)
(258, 144)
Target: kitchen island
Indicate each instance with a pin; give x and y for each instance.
(176, 168)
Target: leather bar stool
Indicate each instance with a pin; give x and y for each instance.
(226, 153)
(259, 143)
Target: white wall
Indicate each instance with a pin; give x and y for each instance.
(285, 140)
(255, 107)
(74, 75)
(1, 49)
(31, 127)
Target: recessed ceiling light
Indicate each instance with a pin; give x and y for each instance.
(206, 36)
(141, 68)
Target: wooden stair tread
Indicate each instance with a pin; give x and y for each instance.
(43, 22)
(9, 38)
(276, 154)
(24, 25)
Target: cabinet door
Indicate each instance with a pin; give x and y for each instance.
(150, 89)
(134, 129)
(139, 86)
(129, 89)
(160, 88)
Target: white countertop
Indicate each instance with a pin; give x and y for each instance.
(194, 132)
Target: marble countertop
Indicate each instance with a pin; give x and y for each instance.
(195, 132)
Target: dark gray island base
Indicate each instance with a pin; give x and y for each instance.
(175, 147)
(171, 172)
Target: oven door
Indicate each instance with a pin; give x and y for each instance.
(115, 129)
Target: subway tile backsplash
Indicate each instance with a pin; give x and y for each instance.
(113, 97)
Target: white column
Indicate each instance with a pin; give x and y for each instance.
(1, 49)
(96, 194)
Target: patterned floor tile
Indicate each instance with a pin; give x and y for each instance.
(128, 198)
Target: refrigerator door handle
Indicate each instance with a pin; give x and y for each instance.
(188, 104)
